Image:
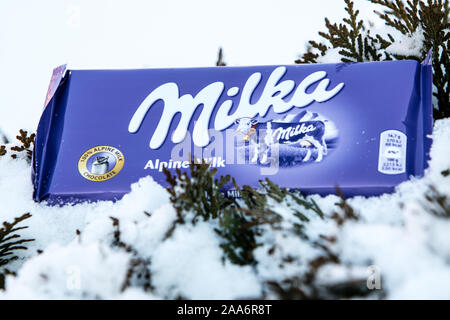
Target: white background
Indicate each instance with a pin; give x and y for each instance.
(36, 36)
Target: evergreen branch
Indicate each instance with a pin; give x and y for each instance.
(239, 222)
(355, 43)
(26, 145)
(220, 62)
(199, 193)
(7, 233)
(239, 238)
(138, 271)
(347, 211)
(3, 275)
(437, 203)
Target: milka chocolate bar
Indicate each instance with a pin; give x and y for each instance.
(362, 126)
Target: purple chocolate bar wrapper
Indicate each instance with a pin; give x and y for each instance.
(363, 126)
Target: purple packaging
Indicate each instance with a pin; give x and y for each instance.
(362, 126)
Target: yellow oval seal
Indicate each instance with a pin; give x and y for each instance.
(100, 163)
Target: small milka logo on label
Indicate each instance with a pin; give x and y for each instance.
(273, 94)
(290, 132)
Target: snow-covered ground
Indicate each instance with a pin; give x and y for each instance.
(396, 236)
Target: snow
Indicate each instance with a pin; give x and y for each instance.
(189, 264)
(83, 271)
(405, 243)
(331, 56)
(395, 233)
(407, 45)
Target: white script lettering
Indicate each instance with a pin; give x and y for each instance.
(273, 95)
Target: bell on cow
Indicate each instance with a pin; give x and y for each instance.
(305, 143)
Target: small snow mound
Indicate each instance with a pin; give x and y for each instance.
(74, 271)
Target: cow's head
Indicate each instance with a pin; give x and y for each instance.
(245, 124)
(101, 160)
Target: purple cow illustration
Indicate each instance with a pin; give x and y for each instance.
(100, 165)
(262, 136)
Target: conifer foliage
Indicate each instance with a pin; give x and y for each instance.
(220, 62)
(24, 146)
(356, 42)
(199, 195)
(10, 242)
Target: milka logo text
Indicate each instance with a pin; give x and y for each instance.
(288, 133)
(273, 94)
